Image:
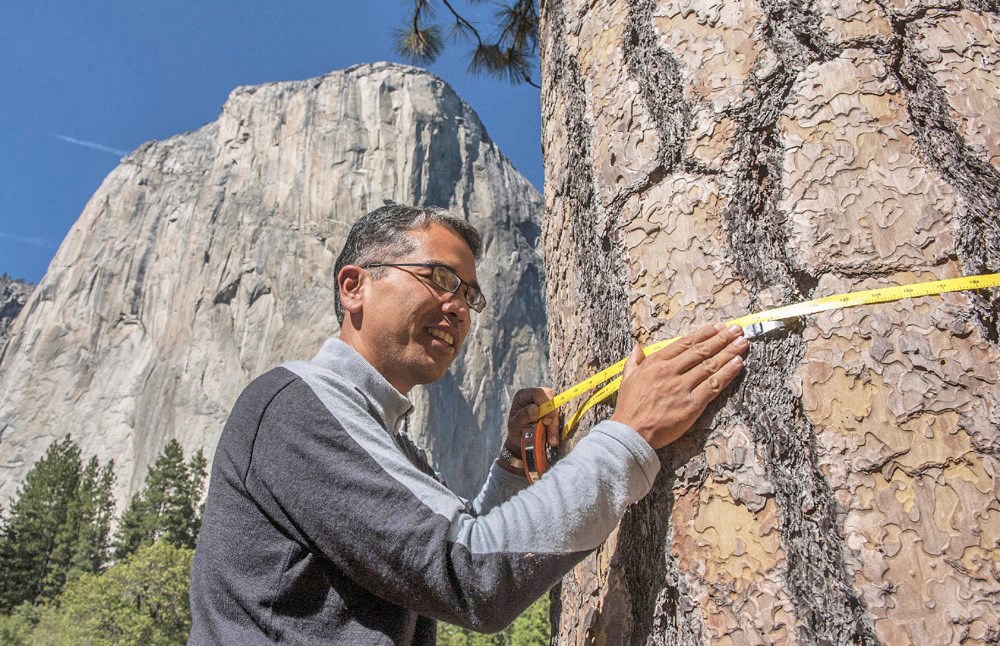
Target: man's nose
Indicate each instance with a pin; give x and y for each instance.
(457, 304)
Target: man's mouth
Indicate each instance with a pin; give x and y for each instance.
(441, 334)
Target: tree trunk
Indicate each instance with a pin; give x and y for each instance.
(709, 159)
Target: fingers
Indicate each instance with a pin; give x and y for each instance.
(685, 343)
(524, 412)
(701, 354)
(551, 420)
(704, 353)
(665, 395)
(522, 398)
(715, 383)
(523, 416)
(542, 395)
(521, 410)
(632, 362)
(709, 377)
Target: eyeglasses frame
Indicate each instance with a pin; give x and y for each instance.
(436, 265)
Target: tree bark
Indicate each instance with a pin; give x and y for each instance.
(705, 159)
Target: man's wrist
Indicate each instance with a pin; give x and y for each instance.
(510, 459)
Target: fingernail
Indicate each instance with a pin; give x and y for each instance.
(718, 326)
(735, 329)
(736, 361)
(740, 341)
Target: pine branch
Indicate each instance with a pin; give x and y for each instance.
(510, 55)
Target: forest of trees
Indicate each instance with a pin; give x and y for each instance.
(67, 579)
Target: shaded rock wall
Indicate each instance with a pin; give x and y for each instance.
(206, 259)
(13, 295)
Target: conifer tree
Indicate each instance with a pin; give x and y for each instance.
(81, 541)
(168, 506)
(94, 507)
(33, 554)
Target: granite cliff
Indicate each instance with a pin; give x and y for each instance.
(13, 295)
(206, 259)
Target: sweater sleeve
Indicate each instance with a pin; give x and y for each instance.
(499, 486)
(336, 482)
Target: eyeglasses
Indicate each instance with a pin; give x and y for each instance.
(444, 278)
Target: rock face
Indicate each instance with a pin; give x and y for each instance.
(204, 260)
(13, 295)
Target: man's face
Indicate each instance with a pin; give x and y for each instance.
(413, 329)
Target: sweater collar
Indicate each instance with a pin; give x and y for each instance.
(342, 359)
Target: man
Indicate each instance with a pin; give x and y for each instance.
(324, 524)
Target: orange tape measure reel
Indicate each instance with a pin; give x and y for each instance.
(535, 452)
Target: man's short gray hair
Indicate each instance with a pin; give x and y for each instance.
(381, 236)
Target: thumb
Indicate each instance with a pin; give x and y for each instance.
(634, 359)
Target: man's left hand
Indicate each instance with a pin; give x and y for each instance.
(524, 415)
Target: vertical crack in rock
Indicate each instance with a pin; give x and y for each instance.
(829, 610)
(978, 183)
(138, 276)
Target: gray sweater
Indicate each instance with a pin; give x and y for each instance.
(324, 525)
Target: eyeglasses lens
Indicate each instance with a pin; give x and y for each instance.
(446, 279)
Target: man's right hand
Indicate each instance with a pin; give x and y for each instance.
(662, 395)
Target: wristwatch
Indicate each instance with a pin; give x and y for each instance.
(508, 458)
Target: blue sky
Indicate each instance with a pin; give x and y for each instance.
(84, 82)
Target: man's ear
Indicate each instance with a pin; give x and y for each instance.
(351, 283)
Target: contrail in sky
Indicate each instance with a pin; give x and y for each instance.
(90, 144)
(33, 242)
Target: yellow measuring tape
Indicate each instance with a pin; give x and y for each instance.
(839, 301)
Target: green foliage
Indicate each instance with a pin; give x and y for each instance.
(167, 507)
(92, 518)
(57, 526)
(509, 54)
(7, 279)
(16, 628)
(142, 600)
(420, 45)
(449, 635)
(56, 540)
(530, 629)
